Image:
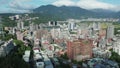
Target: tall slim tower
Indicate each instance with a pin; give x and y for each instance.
(71, 25)
(20, 24)
(31, 27)
(110, 32)
(1, 31)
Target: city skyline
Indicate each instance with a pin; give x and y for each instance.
(59, 43)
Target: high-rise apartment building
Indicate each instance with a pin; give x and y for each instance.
(110, 32)
(20, 25)
(79, 49)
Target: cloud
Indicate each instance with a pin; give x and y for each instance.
(87, 4)
(21, 5)
(19, 11)
(93, 4)
(64, 2)
(27, 5)
(2, 2)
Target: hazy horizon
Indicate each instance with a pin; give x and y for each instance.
(21, 6)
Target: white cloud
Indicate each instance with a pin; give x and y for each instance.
(26, 5)
(18, 11)
(64, 2)
(87, 4)
(20, 5)
(93, 4)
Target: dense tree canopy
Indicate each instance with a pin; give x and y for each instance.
(115, 57)
(14, 59)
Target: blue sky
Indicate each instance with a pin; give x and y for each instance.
(114, 2)
(16, 6)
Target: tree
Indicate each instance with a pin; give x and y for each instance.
(64, 56)
(14, 59)
(18, 42)
(115, 57)
(6, 21)
(28, 48)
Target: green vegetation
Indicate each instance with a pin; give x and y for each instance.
(65, 56)
(21, 47)
(44, 18)
(18, 42)
(71, 32)
(115, 57)
(6, 36)
(117, 27)
(42, 49)
(86, 42)
(104, 25)
(14, 59)
(116, 24)
(77, 62)
(26, 23)
(6, 21)
(116, 31)
(62, 64)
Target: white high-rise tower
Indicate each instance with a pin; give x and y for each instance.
(110, 32)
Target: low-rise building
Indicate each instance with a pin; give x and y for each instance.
(26, 56)
(116, 46)
(102, 63)
(6, 48)
(98, 52)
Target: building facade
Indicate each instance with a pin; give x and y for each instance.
(79, 49)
